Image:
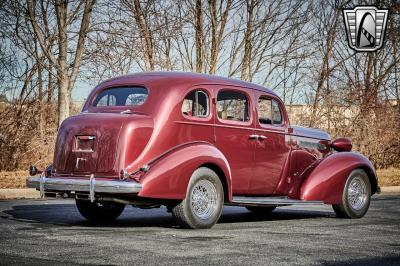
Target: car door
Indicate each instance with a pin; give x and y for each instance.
(272, 145)
(234, 128)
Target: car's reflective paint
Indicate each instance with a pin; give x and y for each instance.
(282, 160)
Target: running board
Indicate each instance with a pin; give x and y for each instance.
(256, 201)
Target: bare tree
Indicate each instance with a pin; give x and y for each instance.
(199, 35)
(297, 48)
(250, 5)
(218, 24)
(66, 75)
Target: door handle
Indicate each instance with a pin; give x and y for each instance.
(259, 137)
(253, 137)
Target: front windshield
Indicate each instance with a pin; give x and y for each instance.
(121, 96)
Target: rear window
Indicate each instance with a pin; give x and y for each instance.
(121, 96)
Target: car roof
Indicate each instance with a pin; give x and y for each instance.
(187, 78)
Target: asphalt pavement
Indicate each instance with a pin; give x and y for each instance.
(51, 232)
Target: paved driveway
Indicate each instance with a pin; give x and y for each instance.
(53, 232)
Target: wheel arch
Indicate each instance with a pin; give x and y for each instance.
(372, 178)
(169, 176)
(327, 181)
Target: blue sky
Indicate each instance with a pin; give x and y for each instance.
(81, 90)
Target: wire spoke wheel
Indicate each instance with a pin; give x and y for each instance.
(357, 193)
(356, 196)
(203, 199)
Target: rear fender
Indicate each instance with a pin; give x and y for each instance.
(327, 181)
(168, 177)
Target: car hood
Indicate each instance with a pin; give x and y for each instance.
(310, 132)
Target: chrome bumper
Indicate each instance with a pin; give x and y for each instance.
(91, 185)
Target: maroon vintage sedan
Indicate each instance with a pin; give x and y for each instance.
(193, 143)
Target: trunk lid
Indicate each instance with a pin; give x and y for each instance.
(88, 143)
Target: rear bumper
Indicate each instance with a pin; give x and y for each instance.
(91, 185)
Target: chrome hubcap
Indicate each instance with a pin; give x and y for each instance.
(357, 193)
(203, 199)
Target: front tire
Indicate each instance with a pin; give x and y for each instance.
(356, 196)
(99, 212)
(204, 200)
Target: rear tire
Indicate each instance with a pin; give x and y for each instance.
(204, 200)
(261, 210)
(99, 212)
(356, 196)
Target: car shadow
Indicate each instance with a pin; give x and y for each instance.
(68, 215)
(239, 214)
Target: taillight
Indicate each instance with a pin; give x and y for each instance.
(123, 175)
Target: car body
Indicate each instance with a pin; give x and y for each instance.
(141, 137)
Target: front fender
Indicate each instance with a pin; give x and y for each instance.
(326, 182)
(169, 176)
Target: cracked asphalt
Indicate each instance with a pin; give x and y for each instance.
(37, 232)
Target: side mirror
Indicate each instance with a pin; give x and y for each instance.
(342, 144)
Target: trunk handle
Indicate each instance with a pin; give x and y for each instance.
(86, 137)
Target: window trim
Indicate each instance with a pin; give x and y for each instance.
(273, 125)
(205, 117)
(235, 122)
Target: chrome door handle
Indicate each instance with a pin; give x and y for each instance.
(262, 137)
(253, 137)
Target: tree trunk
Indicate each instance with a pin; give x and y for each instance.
(199, 36)
(370, 91)
(247, 38)
(323, 76)
(63, 93)
(40, 95)
(63, 99)
(50, 89)
(217, 33)
(146, 38)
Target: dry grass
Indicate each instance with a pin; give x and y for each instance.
(389, 177)
(17, 179)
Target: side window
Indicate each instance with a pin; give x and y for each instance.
(232, 105)
(277, 114)
(269, 112)
(264, 111)
(195, 104)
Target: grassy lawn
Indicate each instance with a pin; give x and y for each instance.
(387, 177)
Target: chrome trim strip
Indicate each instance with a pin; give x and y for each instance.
(91, 188)
(42, 180)
(239, 200)
(83, 185)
